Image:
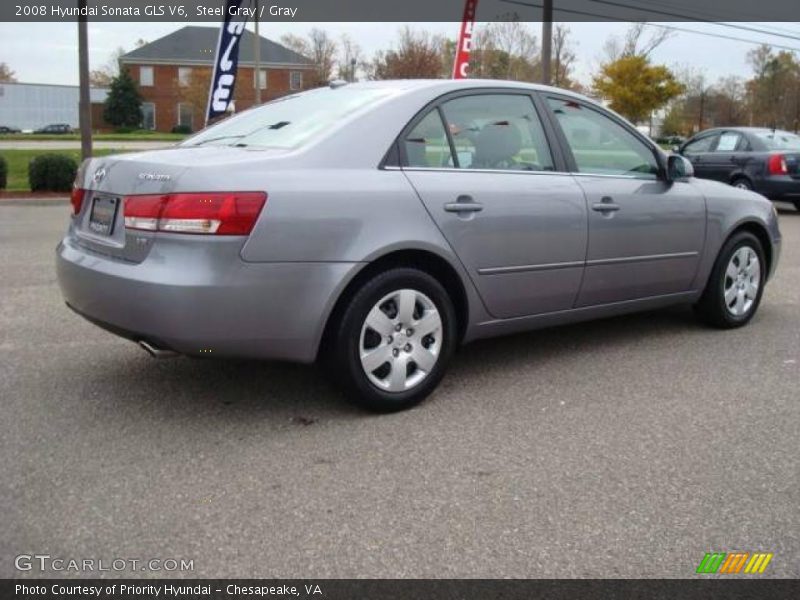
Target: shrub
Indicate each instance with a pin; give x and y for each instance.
(182, 129)
(3, 173)
(124, 129)
(52, 173)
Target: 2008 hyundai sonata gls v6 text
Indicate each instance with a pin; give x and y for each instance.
(377, 226)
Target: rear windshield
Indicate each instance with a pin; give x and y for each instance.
(779, 140)
(290, 121)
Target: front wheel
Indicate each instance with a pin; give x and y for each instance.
(734, 289)
(394, 340)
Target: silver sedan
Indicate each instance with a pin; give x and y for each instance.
(378, 226)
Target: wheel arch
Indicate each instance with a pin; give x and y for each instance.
(740, 174)
(424, 260)
(760, 231)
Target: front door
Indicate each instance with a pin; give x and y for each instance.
(645, 234)
(482, 166)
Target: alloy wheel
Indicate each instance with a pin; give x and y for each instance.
(742, 280)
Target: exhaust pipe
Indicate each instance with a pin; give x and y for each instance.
(157, 352)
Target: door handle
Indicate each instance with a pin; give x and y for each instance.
(463, 204)
(606, 205)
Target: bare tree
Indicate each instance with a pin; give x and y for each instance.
(563, 57)
(319, 48)
(417, 54)
(635, 43)
(350, 58)
(506, 50)
(103, 76)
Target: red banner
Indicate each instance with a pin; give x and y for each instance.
(461, 64)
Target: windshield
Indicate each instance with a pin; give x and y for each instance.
(779, 140)
(290, 121)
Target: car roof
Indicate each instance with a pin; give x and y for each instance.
(447, 85)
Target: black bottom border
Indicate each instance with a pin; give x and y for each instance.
(397, 589)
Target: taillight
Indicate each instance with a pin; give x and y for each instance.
(777, 165)
(76, 199)
(215, 213)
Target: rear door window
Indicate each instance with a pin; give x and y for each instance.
(728, 141)
(497, 132)
(427, 146)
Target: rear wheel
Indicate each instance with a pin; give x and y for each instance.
(743, 183)
(394, 340)
(734, 289)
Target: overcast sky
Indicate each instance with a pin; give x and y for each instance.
(47, 52)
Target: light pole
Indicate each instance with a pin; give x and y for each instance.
(547, 40)
(257, 54)
(84, 103)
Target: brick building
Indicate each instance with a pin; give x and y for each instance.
(173, 75)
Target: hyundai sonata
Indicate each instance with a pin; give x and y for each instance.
(377, 226)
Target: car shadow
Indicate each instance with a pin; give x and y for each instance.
(301, 395)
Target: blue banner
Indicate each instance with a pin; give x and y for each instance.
(223, 78)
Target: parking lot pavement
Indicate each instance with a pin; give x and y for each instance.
(627, 447)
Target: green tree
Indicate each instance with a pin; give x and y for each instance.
(123, 107)
(634, 87)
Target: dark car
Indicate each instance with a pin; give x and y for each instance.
(55, 128)
(751, 158)
(4, 129)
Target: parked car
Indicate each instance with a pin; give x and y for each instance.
(671, 140)
(750, 158)
(55, 128)
(377, 226)
(5, 129)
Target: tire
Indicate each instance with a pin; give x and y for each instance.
(797, 204)
(729, 299)
(743, 183)
(368, 332)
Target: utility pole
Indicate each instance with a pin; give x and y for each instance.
(547, 40)
(84, 104)
(257, 52)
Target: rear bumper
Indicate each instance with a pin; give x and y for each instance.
(780, 186)
(204, 300)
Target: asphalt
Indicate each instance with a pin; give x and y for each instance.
(627, 447)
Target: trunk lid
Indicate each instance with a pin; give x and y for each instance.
(100, 225)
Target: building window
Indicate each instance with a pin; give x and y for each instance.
(148, 115)
(184, 76)
(146, 76)
(185, 115)
(295, 80)
(262, 79)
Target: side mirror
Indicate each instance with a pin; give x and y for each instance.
(678, 168)
(676, 148)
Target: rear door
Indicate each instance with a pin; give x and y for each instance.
(645, 234)
(726, 157)
(481, 163)
(699, 150)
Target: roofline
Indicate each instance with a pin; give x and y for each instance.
(208, 63)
